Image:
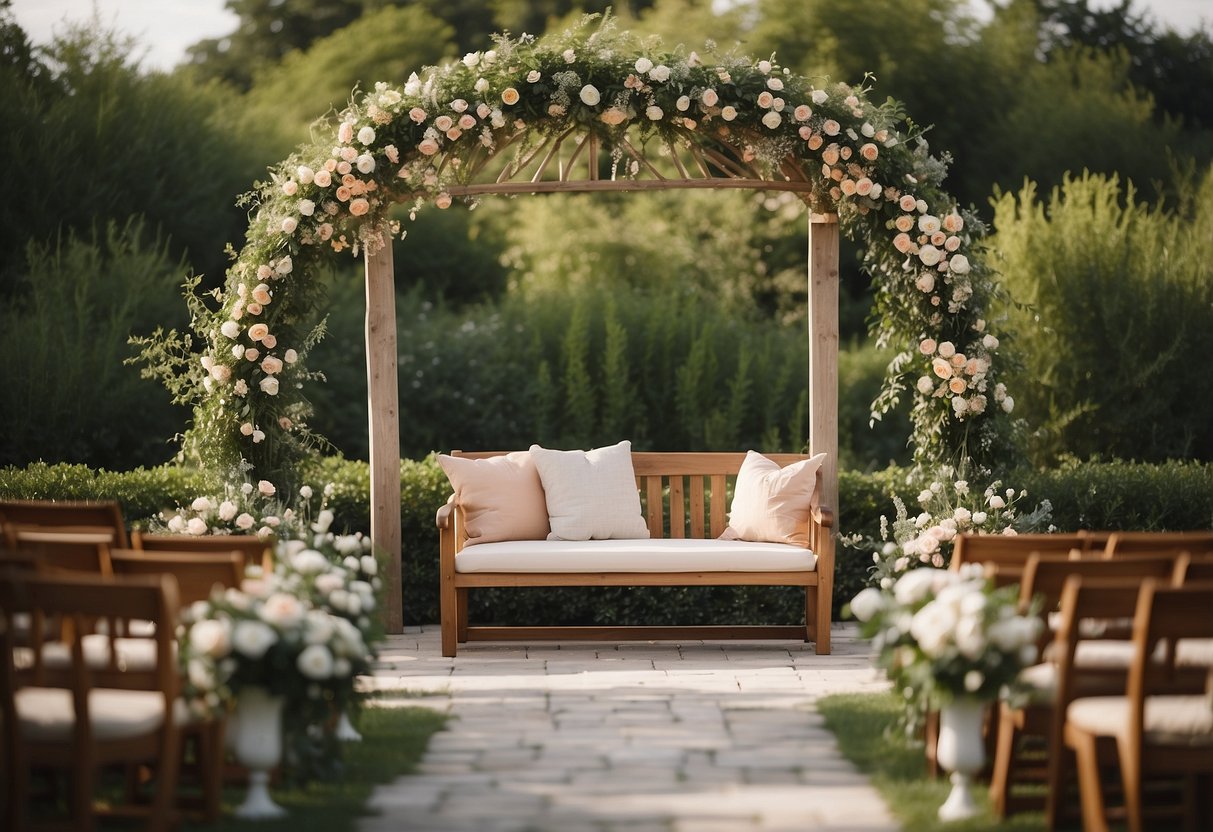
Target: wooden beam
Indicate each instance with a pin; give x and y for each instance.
(383, 406)
(823, 349)
(588, 186)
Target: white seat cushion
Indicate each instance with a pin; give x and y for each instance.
(1169, 720)
(135, 654)
(634, 556)
(46, 714)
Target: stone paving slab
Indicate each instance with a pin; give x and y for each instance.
(670, 736)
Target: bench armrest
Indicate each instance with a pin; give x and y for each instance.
(823, 516)
(446, 514)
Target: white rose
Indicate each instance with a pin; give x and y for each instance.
(660, 73)
(282, 611)
(1008, 404)
(289, 225)
(212, 637)
(772, 119)
(366, 135)
(365, 163)
(913, 586)
(654, 112)
(323, 520)
(926, 385)
(867, 603)
(683, 103)
(969, 636)
(196, 526)
(643, 65)
(201, 504)
(996, 502)
(959, 264)
(253, 638)
(230, 329)
(318, 627)
(315, 662)
(932, 625)
(227, 510)
(728, 113)
(369, 565)
(820, 97)
(989, 342)
(569, 56)
(589, 95)
(269, 385)
(266, 487)
(309, 562)
(245, 521)
(929, 255)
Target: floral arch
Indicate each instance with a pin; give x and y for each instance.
(596, 109)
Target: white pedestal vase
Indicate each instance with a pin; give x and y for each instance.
(345, 730)
(258, 747)
(962, 751)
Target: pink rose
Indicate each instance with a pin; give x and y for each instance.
(869, 151)
(941, 368)
(803, 113)
(903, 243)
(443, 200)
(417, 115)
(927, 346)
(258, 331)
(271, 365)
(907, 203)
(428, 147)
(345, 133)
(765, 100)
(904, 223)
(831, 127)
(710, 98)
(359, 207)
(269, 341)
(453, 134)
(324, 178)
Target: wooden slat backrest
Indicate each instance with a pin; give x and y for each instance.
(105, 513)
(1010, 550)
(197, 573)
(1167, 613)
(256, 551)
(70, 549)
(1130, 543)
(664, 477)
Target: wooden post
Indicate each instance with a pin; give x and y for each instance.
(823, 349)
(383, 406)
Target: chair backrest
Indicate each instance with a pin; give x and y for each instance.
(254, 550)
(1135, 543)
(59, 513)
(1086, 604)
(197, 573)
(63, 549)
(1192, 568)
(1006, 555)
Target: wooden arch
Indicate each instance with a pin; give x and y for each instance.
(570, 161)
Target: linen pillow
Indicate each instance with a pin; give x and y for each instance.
(501, 496)
(591, 495)
(771, 504)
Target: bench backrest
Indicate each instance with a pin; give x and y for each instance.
(683, 494)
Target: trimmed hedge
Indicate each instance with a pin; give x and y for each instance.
(1115, 495)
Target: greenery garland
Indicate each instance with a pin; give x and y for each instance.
(410, 144)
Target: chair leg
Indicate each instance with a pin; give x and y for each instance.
(930, 737)
(1004, 754)
(1130, 775)
(1086, 756)
(210, 767)
(164, 815)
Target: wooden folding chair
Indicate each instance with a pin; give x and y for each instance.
(76, 718)
(1139, 543)
(1029, 735)
(1006, 555)
(58, 514)
(198, 574)
(1162, 725)
(256, 551)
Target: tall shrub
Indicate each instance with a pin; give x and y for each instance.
(1114, 314)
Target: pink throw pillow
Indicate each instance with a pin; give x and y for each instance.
(771, 504)
(501, 496)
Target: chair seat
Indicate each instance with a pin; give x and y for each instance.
(134, 654)
(1169, 720)
(47, 715)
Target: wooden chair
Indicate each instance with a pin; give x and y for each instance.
(1030, 735)
(67, 549)
(1006, 555)
(77, 719)
(1160, 725)
(255, 550)
(197, 574)
(1132, 543)
(58, 514)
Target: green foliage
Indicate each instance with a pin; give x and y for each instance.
(68, 396)
(98, 141)
(1117, 310)
(1172, 496)
(287, 95)
(143, 492)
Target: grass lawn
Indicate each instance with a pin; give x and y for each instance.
(866, 726)
(393, 740)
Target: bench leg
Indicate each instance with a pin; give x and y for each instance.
(462, 597)
(810, 613)
(821, 636)
(449, 602)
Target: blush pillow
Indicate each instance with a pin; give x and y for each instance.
(771, 504)
(501, 496)
(591, 495)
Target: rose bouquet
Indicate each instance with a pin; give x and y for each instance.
(246, 509)
(942, 634)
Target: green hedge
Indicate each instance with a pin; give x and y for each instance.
(1115, 495)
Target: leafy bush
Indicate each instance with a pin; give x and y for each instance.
(67, 395)
(1118, 316)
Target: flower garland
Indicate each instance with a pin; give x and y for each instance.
(412, 143)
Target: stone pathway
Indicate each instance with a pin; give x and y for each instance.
(676, 737)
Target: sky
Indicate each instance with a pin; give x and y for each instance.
(164, 28)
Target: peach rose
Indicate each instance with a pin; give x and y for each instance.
(907, 203)
(765, 100)
(869, 151)
(443, 200)
(428, 147)
(831, 127)
(903, 243)
(941, 368)
(710, 98)
(271, 365)
(359, 207)
(815, 141)
(803, 112)
(258, 331)
(927, 346)
(904, 223)
(269, 342)
(324, 178)
(417, 115)
(947, 349)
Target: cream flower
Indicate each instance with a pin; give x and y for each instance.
(510, 96)
(253, 638)
(589, 95)
(269, 386)
(710, 98)
(772, 120)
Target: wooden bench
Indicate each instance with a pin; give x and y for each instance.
(694, 486)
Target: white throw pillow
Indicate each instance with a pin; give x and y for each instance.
(591, 495)
(771, 504)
